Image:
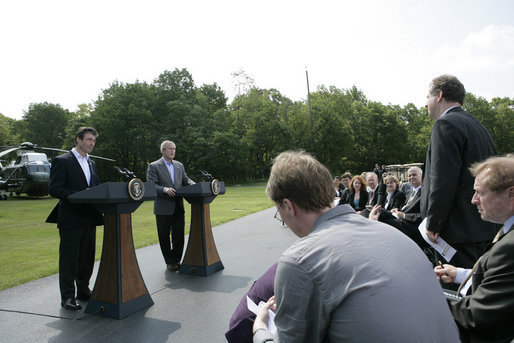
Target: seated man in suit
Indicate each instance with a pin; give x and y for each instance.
(408, 217)
(486, 312)
(377, 193)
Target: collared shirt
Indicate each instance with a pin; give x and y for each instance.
(448, 110)
(171, 169)
(84, 164)
(462, 273)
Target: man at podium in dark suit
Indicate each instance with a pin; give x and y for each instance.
(70, 173)
(169, 175)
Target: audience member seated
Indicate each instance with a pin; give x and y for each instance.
(486, 311)
(377, 191)
(358, 196)
(241, 323)
(376, 194)
(338, 186)
(408, 218)
(347, 279)
(345, 194)
(395, 198)
(406, 188)
(345, 180)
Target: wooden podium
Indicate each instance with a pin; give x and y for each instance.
(201, 256)
(119, 288)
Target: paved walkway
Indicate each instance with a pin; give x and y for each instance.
(187, 308)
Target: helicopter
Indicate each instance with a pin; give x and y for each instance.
(29, 173)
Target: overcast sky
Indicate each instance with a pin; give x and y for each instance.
(66, 52)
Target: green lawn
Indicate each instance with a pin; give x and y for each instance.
(29, 247)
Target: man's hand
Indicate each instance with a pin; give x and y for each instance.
(261, 321)
(170, 191)
(446, 272)
(375, 212)
(432, 236)
(400, 214)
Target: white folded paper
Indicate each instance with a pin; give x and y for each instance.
(440, 245)
(254, 308)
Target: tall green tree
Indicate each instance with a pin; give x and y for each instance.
(123, 118)
(45, 124)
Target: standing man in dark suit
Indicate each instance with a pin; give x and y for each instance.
(73, 172)
(486, 314)
(169, 175)
(457, 141)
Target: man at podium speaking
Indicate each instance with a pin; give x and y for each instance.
(169, 175)
(70, 173)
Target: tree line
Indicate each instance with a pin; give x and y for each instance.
(237, 141)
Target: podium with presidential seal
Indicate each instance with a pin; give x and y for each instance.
(201, 257)
(119, 288)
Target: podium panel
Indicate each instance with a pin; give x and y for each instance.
(201, 257)
(119, 288)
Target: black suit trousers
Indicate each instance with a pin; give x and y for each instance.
(173, 225)
(76, 260)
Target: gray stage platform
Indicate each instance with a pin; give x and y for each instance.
(187, 308)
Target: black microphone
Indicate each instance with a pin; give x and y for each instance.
(129, 173)
(119, 171)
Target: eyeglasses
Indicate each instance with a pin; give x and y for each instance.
(277, 217)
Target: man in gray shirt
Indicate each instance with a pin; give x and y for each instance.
(347, 279)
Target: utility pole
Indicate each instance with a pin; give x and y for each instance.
(310, 111)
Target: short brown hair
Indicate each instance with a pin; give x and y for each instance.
(392, 178)
(299, 177)
(500, 174)
(81, 132)
(452, 88)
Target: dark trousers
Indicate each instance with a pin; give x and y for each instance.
(409, 229)
(76, 260)
(173, 225)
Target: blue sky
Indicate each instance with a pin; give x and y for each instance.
(66, 52)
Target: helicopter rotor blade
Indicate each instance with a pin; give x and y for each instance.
(102, 158)
(5, 152)
(54, 149)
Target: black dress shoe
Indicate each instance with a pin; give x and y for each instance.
(174, 266)
(70, 304)
(84, 295)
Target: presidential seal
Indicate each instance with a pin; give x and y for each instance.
(136, 189)
(215, 187)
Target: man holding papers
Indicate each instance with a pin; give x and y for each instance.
(458, 139)
(347, 279)
(487, 313)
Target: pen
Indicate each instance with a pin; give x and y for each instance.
(441, 264)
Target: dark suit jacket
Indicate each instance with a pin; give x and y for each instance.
(379, 196)
(363, 200)
(158, 173)
(397, 200)
(457, 141)
(412, 210)
(67, 177)
(487, 315)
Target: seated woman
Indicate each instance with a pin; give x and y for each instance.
(395, 198)
(358, 195)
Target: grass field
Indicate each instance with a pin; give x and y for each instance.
(29, 247)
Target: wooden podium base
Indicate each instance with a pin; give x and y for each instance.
(119, 288)
(201, 256)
